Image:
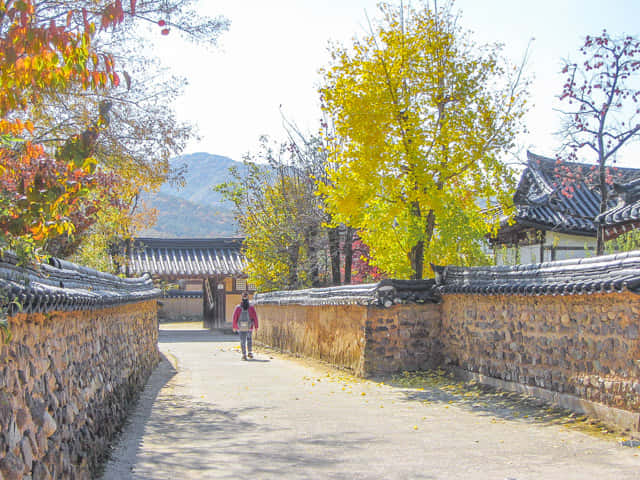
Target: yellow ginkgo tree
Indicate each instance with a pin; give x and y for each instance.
(424, 116)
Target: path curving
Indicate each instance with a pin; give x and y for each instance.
(205, 414)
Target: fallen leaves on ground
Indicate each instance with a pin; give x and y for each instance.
(443, 387)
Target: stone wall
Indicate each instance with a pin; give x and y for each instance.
(364, 339)
(402, 337)
(583, 346)
(67, 380)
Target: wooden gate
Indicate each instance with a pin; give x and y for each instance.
(214, 301)
(220, 301)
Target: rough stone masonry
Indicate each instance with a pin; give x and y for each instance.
(66, 382)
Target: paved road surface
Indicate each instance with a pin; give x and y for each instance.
(206, 414)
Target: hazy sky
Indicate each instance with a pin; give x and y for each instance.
(270, 57)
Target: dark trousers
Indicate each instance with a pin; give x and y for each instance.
(245, 342)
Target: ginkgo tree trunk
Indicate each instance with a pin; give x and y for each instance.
(424, 115)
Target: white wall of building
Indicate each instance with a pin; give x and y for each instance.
(557, 246)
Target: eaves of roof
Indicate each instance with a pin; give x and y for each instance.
(559, 227)
(183, 294)
(542, 200)
(621, 213)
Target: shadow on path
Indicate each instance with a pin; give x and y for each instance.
(185, 336)
(197, 440)
(123, 454)
(438, 386)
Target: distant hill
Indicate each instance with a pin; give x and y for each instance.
(195, 210)
(203, 171)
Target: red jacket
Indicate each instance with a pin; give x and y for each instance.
(252, 315)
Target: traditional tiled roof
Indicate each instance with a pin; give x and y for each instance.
(187, 257)
(604, 274)
(63, 286)
(625, 215)
(540, 200)
(385, 294)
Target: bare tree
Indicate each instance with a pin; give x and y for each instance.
(602, 92)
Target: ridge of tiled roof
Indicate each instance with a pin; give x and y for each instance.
(383, 294)
(539, 200)
(187, 256)
(189, 242)
(603, 274)
(63, 286)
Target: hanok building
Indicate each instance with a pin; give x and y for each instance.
(200, 278)
(625, 216)
(556, 207)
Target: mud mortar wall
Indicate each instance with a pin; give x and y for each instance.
(66, 383)
(331, 333)
(363, 339)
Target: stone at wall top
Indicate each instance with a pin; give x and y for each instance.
(383, 294)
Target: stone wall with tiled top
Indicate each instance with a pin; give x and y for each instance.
(566, 332)
(67, 380)
(587, 346)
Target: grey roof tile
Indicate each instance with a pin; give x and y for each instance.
(182, 294)
(628, 207)
(383, 294)
(61, 286)
(188, 257)
(604, 274)
(539, 198)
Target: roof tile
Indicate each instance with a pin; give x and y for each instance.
(187, 256)
(604, 274)
(61, 286)
(540, 201)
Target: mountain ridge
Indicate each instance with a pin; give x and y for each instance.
(194, 210)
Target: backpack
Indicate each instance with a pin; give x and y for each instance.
(244, 321)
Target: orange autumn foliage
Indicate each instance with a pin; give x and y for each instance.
(44, 196)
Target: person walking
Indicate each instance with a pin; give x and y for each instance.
(245, 319)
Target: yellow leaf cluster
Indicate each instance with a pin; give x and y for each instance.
(422, 129)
